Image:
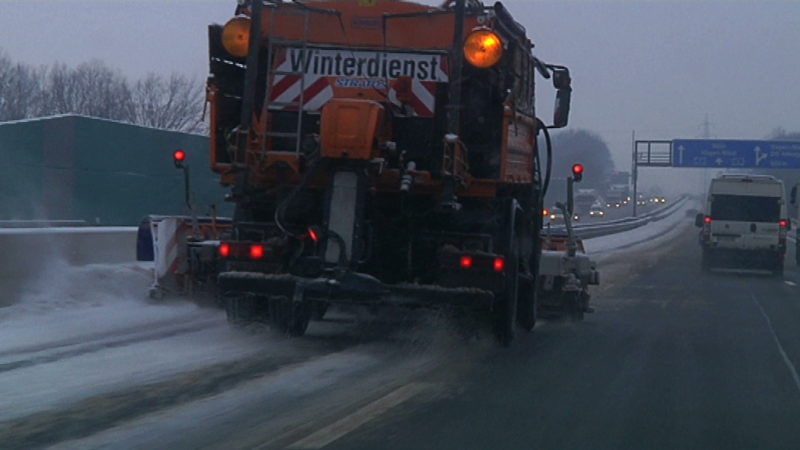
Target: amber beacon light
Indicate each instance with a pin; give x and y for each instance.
(483, 48)
(236, 36)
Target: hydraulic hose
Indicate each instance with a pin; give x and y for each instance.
(549, 144)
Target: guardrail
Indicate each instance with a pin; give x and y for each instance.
(42, 223)
(590, 230)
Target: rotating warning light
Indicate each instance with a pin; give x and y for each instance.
(577, 172)
(483, 48)
(236, 36)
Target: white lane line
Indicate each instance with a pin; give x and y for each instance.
(786, 359)
(341, 427)
(790, 283)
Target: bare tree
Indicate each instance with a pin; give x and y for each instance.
(90, 89)
(20, 89)
(93, 89)
(174, 103)
(587, 148)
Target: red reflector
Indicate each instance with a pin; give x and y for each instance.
(707, 219)
(179, 155)
(499, 264)
(313, 234)
(224, 249)
(784, 223)
(256, 251)
(466, 261)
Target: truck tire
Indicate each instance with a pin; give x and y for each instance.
(288, 317)
(506, 307)
(242, 311)
(526, 303)
(318, 310)
(506, 302)
(527, 300)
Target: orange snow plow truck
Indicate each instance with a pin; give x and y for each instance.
(378, 152)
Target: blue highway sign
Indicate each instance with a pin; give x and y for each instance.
(732, 153)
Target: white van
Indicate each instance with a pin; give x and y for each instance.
(745, 223)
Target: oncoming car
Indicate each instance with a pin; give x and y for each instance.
(555, 215)
(596, 211)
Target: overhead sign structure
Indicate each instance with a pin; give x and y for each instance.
(736, 154)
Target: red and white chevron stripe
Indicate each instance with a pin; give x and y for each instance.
(287, 88)
(422, 99)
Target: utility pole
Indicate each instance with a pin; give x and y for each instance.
(706, 135)
(706, 128)
(634, 172)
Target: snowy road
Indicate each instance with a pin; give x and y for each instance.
(106, 367)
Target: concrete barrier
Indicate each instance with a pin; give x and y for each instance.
(29, 253)
(26, 247)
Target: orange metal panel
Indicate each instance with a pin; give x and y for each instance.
(361, 24)
(211, 98)
(348, 128)
(518, 146)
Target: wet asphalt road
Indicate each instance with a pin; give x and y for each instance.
(673, 358)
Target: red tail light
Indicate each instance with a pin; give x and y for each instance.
(465, 262)
(256, 251)
(706, 228)
(224, 250)
(782, 232)
(499, 264)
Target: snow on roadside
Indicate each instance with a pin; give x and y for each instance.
(72, 301)
(50, 385)
(653, 232)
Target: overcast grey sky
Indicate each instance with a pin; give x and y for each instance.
(654, 67)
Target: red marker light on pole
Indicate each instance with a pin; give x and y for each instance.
(577, 171)
(178, 157)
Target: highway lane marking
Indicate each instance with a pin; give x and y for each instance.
(786, 359)
(790, 283)
(343, 426)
